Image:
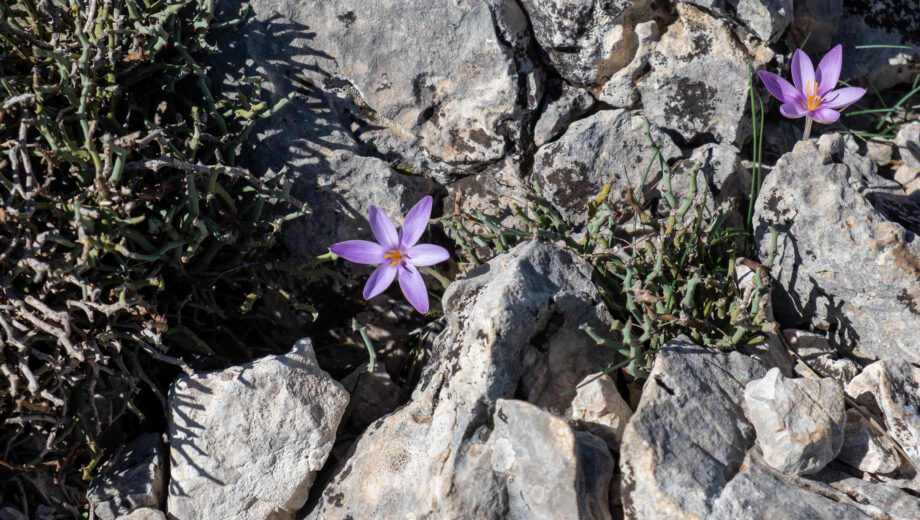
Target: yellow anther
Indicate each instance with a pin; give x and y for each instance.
(812, 93)
(394, 255)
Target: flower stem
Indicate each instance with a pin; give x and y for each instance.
(807, 132)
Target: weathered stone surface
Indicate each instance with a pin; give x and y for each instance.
(688, 452)
(909, 144)
(620, 90)
(767, 19)
(892, 387)
(562, 105)
(134, 477)
(818, 353)
(875, 499)
(246, 442)
(451, 77)
(599, 409)
(539, 457)
(688, 436)
(698, 83)
(605, 147)
(144, 513)
(334, 174)
(840, 262)
(586, 41)
(512, 331)
(799, 422)
(865, 449)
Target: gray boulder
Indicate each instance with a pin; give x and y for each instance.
(699, 83)
(586, 41)
(799, 422)
(134, 478)
(689, 453)
(512, 331)
(609, 146)
(841, 263)
(246, 442)
(767, 19)
(820, 356)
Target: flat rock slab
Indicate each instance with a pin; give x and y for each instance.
(246, 442)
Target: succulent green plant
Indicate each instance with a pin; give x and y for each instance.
(125, 223)
(660, 275)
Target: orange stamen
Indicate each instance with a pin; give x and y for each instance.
(394, 255)
(813, 98)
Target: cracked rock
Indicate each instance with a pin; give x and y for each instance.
(818, 353)
(767, 19)
(559, 111)
(699, 83)
(865, 449)
(844, 262)
(610, 146)
(512, 331)
(246, 442)
(133, 478)
(599, 409)
(586, 41)
(909, 144)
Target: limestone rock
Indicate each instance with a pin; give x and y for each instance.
(539, 457)
(767, 19)
(620, 90)
(698, 83)
(875, 23)
(875, 499)
(841, 262)
(799, 422)
(605, 147)
(559, 111)
(586, 41)
(134, 477)
(865, 449)
(909, 178)
(144, 513)
(687, 451)
(599, 409)
(246, 442)
(892, 387)
(378, 394)
(909, 144)
(512, 331)
(818, 353)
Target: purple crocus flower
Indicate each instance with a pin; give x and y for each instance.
(812, 93)
(397, 253)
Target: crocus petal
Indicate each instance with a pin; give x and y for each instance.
(792, 110)
(415, 222)
(380, 279)
(824, 115)
(802, 71)
(829, 70)
(360, 251)
(383, 228)
(426, 254)
(843, 97)
(413, 287)
(780, 88)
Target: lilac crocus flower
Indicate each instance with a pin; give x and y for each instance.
(812, 93)
(397, 253)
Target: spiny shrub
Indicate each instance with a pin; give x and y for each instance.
(125, 225)
(660, 275)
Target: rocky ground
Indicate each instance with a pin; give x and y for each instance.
(467, 99)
